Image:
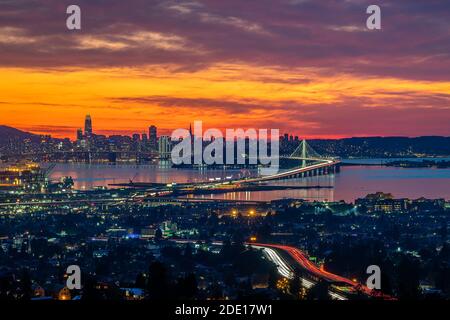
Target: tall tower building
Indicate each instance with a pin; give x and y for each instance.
(136, 137)
(165, 147)
(88, 127)
(79, 134)
(153, 136)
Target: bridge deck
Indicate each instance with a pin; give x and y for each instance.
(292, 172)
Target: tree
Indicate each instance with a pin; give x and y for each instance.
(187, 287)
(25, 285)
(442, 278)
(158, 234)
(90, 292)
(319, 291)
(141, 281)
(188, 251)
(408, 277)
(158, 282)
(263, 232)
(443, 231)
(295, 287)
(5, 287)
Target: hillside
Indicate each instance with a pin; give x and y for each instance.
(9, 133)
(383, 146)
(365, 147)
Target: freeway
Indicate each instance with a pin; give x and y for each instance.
(287, 271)
(307, 265)
(302, 260)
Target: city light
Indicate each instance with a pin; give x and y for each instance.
(211, 152)
(283, 285)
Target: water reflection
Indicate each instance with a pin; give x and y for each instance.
(352, 182)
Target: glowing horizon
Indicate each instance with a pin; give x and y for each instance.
(292, 66)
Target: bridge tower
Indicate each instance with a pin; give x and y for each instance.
(304, 152)
(303, 144)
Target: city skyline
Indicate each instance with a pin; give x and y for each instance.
(225, 157)
(80, 133)
(311, 66)
(152, 132)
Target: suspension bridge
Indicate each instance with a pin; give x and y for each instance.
(311, 164)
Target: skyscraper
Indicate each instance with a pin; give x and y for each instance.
(79, 134)
(88, 127)
(165, 147)
(153, 136)
(136, 137)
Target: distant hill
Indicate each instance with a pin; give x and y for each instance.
(373, 147)
(9, 133)
(365, 147)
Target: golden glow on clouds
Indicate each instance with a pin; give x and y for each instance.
(56, 101)
(11, 35)
(137, 39)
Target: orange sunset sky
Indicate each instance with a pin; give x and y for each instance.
(306, 67)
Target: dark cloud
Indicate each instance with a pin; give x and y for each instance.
(414, 42)
(396, 114)
(231, 107)
(50, 129)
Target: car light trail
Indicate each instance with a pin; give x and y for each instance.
(306, 264)
(287, 272)
(282, 267)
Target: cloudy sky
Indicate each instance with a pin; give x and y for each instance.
(309, 67)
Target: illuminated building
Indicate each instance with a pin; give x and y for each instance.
(144, 138)
(168, 228)
(283, 285)
(260, 281)
(136, 137)
(88, 127)
(64, 294)
(148, 233)
(385, 203)
(133, 293)
(38, 291)
(164, 147)
(153, 136)
(79, 134)
(23, 176)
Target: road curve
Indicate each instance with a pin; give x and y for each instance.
(306, 264)
(302, 259)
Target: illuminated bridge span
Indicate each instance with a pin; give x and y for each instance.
(312, 164)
